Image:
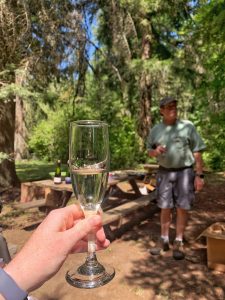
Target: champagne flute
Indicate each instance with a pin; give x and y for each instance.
(89, 166)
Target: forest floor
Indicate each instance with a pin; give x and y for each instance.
(138, 274)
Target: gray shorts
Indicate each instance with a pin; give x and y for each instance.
(175, 188)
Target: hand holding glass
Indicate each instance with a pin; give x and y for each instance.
(89, 166)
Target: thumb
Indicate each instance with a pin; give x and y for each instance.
(81, 229)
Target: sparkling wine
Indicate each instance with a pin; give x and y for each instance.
(89, 185)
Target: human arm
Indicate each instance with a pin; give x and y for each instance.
(156, 151)
(199, 182)
(155, 146)
(197, 145)
(63, 231)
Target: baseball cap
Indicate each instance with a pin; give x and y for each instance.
(166, 100)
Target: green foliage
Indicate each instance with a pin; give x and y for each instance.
(35, 170)
(215, 137)
(49, 139)
(3, 156)
(124, 144)
(108, 105)
(11, 90)
(185, 58)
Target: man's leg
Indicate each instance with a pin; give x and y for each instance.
(184, 196)
(181, 222)
(163, 242)
(165, 220)
(165, 202)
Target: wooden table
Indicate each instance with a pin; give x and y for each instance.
(150, 168)
(45, 193)
(46, 196)
(150, 178)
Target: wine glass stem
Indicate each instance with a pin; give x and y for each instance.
(91, 243)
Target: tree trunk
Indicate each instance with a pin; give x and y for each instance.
(145, 106)
(145, 92)
(8, 177)
(20, 144)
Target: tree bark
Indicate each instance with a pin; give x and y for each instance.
(20, 143)
(20, 131)
(145, 92)
(8, 177)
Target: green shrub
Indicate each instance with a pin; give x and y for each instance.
(50, 138)
(124, 144)
(214, 133)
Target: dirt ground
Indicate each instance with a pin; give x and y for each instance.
(138, 274)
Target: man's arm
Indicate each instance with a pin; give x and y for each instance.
(198, 162)
(199, 178)
(157, 151)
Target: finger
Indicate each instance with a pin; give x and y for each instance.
(103, 243)
(82, 246)
(100, 211)
(81, 230)
(100, 235)
(62, 218)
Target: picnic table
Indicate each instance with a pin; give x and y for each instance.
(150, 177)
(44, 193)
(120, 205)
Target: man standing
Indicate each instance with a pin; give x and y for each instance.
(177, 146)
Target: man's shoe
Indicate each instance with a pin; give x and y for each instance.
(160, 246)
(178, 250)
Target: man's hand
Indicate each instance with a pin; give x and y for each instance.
(199, 183)
(157, 151)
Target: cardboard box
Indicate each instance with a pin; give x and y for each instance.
(215, 236)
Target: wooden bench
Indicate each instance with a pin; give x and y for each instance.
(115, 217)
(117, 213)
(31, 204)
(135, 208)
(44, 194)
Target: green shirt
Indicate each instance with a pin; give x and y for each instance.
(181, 141)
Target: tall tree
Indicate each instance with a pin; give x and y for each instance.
(138, 43)
(37, 40)
(205, 37)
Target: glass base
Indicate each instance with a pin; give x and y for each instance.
(90, 275)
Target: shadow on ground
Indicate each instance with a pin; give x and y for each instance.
(183, 279)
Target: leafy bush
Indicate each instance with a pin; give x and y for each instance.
(3, 156)
(214, 133)
(50, 138)
(124, 144)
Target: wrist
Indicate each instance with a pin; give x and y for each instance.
(9, 288)
(18, 274)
